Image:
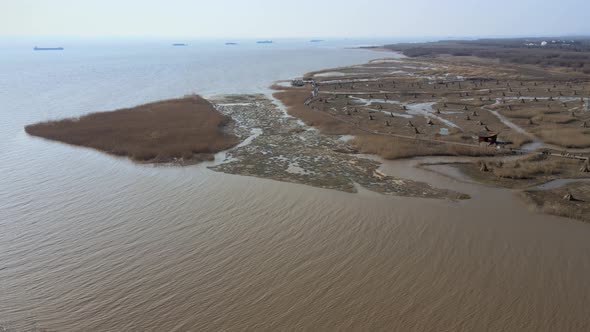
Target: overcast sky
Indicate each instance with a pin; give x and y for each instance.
(294, 18)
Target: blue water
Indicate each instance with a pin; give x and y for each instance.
(101, 75)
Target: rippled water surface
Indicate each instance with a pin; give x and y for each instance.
(89, 242)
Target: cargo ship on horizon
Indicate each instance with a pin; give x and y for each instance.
(48, 48)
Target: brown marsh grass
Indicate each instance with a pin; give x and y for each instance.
(517, 140)
(566, 137)
(294, 99)
(188, 128)
(553, 202)
(572, 56)
(399, 148)
(555, 118)
(528, 167)
(524, 172)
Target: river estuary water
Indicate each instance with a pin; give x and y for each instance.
(89, 242)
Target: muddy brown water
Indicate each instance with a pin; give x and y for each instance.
(89, 242)
(209, 251)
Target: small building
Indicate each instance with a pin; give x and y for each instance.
(488, 137)
(297, 83)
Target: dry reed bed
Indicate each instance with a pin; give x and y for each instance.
(566, 137)
(575, 57)
(385, 146)
(528, 167)
(517, 139)
(398, 148)
(523, 172)
(553, 201)
(464, 102)
(185, 129)
(294, 99)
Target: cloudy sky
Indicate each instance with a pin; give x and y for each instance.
(301, 18)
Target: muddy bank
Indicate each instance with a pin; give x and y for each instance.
(572, 200)
(523, 172)
(285, 150)
(547, 184)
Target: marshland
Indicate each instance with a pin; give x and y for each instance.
(447, 104)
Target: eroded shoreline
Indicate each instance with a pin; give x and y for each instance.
(285, 150)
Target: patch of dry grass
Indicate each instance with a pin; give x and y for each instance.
(521, 113)
(555, 118)
(566, 137)
(397, 148)
(517, 139)
(553, 202)
(528, 167)
(187, 128)
(294, 99)
(524, 172)
(574, 56)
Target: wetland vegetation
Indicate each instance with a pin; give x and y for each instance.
(184, 130)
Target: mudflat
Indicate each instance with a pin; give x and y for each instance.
(279, 147)
(184, 130)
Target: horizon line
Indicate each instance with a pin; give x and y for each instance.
(179, 37)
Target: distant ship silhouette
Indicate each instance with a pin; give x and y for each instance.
(179, 44)
(264, 42)
(48, 48)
